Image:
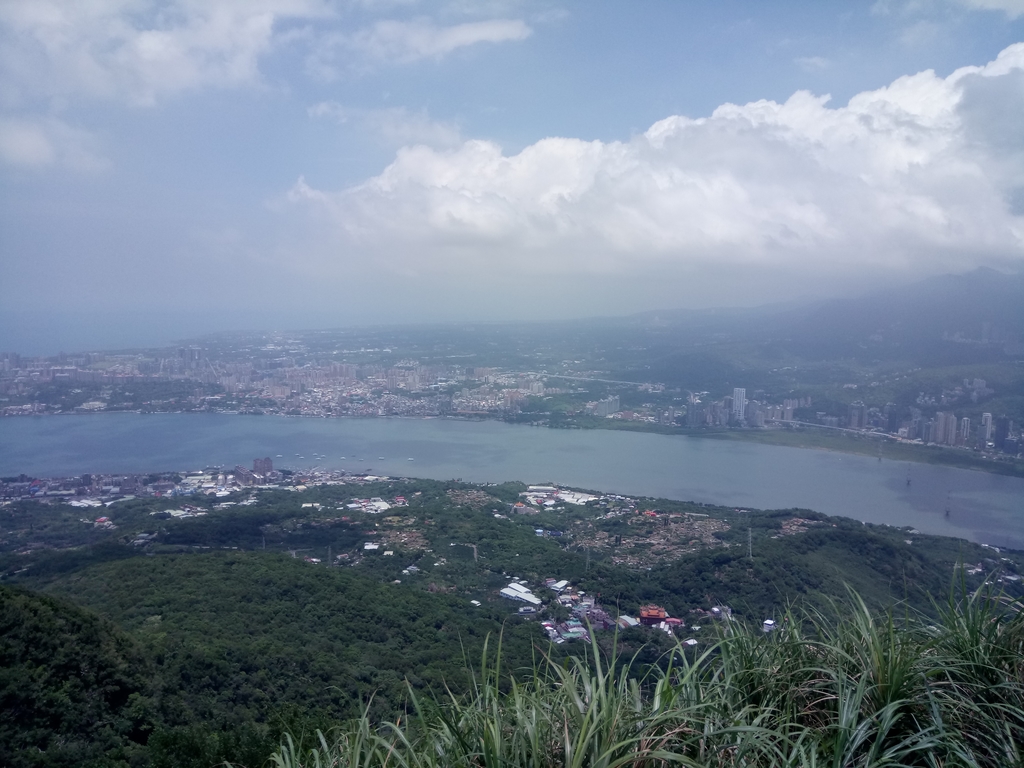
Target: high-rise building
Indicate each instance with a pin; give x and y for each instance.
(262, 466)
(739, 403)
(190, 357)
(1001, 432)
(858, 416)
(951, 428)
(986, 426)
(696, 415)
(892, 419)
(965, 430)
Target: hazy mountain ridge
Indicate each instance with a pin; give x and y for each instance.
(983, 306)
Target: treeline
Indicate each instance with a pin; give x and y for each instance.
(215, 651)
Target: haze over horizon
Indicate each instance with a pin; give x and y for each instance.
(175, 168)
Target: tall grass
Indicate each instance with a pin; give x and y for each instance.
(865, 691)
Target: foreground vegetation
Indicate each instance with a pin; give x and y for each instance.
(868, 691)
(273, 674)
(190, 642)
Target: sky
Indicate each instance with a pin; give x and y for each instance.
(169, 169)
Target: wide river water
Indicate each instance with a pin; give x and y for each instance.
(984, 508)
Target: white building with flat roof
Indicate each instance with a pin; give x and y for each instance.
(516, 591)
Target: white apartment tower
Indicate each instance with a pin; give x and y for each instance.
(739, 403)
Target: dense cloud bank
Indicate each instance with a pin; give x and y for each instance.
(924, 175)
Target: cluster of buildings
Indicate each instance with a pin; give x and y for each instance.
(184, 512)
(649, 413)
(946, 425)
(538, 497)
(88, 490)
(997, 434)
(275, 378)
(375, 505)
(604, 408)
(737, 410)
(93, 490)
(517, 590)
(586, 615)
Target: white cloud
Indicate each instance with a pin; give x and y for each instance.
(916, 177)
(923, 33)
(393, 41)
(813, 63)
(138, 50)
(142, 50)
(907, 8)
(394, 126)
(23, 143)
(38, 143)
(407, 41)
(1012, 8)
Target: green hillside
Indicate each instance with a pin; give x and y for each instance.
(865, 691)
(74, 689)
(226, 630)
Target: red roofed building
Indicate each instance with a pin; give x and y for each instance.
(652, 615)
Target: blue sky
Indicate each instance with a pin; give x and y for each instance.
(173, 168)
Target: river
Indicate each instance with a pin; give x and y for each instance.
(985, 508)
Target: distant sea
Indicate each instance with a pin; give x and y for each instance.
(982, 507)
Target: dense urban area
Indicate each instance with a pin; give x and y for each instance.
(296, 375)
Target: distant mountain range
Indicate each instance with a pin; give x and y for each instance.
(967, 317)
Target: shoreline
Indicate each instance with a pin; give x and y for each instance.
(845, 441)
(804, 438)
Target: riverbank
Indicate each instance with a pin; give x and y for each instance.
(865, 444)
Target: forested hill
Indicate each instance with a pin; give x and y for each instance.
(220, 654)
(192, 639)
(74, 689)
(245, 635)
